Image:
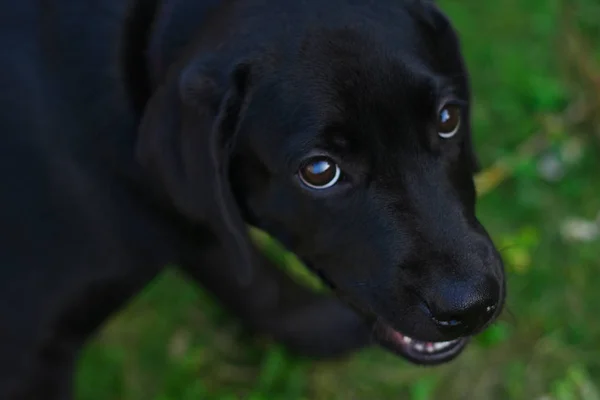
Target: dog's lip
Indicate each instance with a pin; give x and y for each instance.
(432, 353)
(418, 351)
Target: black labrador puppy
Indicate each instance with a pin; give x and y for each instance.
(146, 133)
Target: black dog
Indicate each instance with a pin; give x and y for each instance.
(140, 135)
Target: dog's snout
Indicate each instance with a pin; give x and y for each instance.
(463, 308)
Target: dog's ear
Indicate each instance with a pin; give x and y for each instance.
(184, 142)
(446, 44)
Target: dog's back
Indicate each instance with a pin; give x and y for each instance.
(66, 126)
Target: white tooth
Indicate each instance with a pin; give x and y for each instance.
(406, 339)
(419, 347)
(430, 347)
(439, 346)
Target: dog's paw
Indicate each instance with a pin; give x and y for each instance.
(326, 328)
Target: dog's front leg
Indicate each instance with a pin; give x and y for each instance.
(308, 323)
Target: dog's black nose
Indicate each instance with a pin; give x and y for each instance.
(462, 308)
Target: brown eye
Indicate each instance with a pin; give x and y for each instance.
(448, 121)
(320, 173)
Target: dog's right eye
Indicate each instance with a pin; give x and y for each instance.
(319, 173)
(448, 120)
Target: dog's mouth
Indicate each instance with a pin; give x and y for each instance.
(418, 351)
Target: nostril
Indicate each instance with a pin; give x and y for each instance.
(447, 324)
(467, 319)
(463, 308)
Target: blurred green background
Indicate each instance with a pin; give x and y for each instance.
(535, 66)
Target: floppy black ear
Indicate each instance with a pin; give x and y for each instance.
(447, 47)
(185, 139)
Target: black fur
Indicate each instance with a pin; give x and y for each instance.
(146, 133)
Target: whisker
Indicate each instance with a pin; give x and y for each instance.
(510, 317)
(373, 336)
(366, 284)
(507, 247)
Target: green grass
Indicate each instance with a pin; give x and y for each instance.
(174, 343)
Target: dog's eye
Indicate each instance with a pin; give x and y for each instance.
(448, 121)
(319, 173)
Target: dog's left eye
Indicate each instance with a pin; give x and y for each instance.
(448, 121)
(319, 173)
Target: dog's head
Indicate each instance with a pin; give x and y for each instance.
(353, 148)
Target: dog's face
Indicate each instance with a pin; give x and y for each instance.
(356, 154)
